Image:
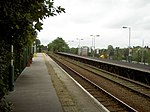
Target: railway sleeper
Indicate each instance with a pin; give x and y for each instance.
(112, 109)
(110, 103)
(116, 108)
(91, 91)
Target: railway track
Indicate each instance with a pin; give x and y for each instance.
(94, 86)
(131, 71)
(139, 88)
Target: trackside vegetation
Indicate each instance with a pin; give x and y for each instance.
(20, 21)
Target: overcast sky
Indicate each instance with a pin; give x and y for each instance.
(99, 17)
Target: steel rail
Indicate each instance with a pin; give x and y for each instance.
(124, 105)
(122, 78)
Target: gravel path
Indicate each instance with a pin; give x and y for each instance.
(67, 102)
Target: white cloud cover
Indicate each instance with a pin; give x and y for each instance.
(103, 17)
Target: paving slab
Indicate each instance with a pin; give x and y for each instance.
(34, 91)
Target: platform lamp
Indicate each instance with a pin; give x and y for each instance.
(129, 54)
(79, 47)
(93, 43)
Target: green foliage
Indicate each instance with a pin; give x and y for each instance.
(42, 48)
(110, 51)
(4, 68)
(138, 53)
(19, 22)
(58, 45)
(38, 42)
(74, 50)
(5, 106)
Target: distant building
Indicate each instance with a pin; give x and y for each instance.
(79, 51)
(84, 51)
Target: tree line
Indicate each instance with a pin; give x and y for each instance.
(138, 54)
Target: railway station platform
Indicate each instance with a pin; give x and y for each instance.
(45, 87)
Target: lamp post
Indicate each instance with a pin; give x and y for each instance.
(129, 54)
(142, 59)
(93, 43)
(69, 42)
(79, 48)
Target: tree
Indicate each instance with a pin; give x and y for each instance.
(38, 42)
(58, 45)
(22, 18)
(74, 50)
(19, 22)
(38, 47)
(110, 51)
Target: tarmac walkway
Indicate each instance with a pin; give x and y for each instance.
(44, 87)
(34, 91)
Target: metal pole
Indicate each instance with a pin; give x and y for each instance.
(79, 43)
(129, 36)
(94, 46)
(129, 56)
(142, 51)
(79, 48)
(93, 43)
(12, 71)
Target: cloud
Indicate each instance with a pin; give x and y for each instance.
(138, 3)
(104, 17)
(128, 16)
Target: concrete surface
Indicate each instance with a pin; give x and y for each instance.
(83, 100)
(34, 91)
